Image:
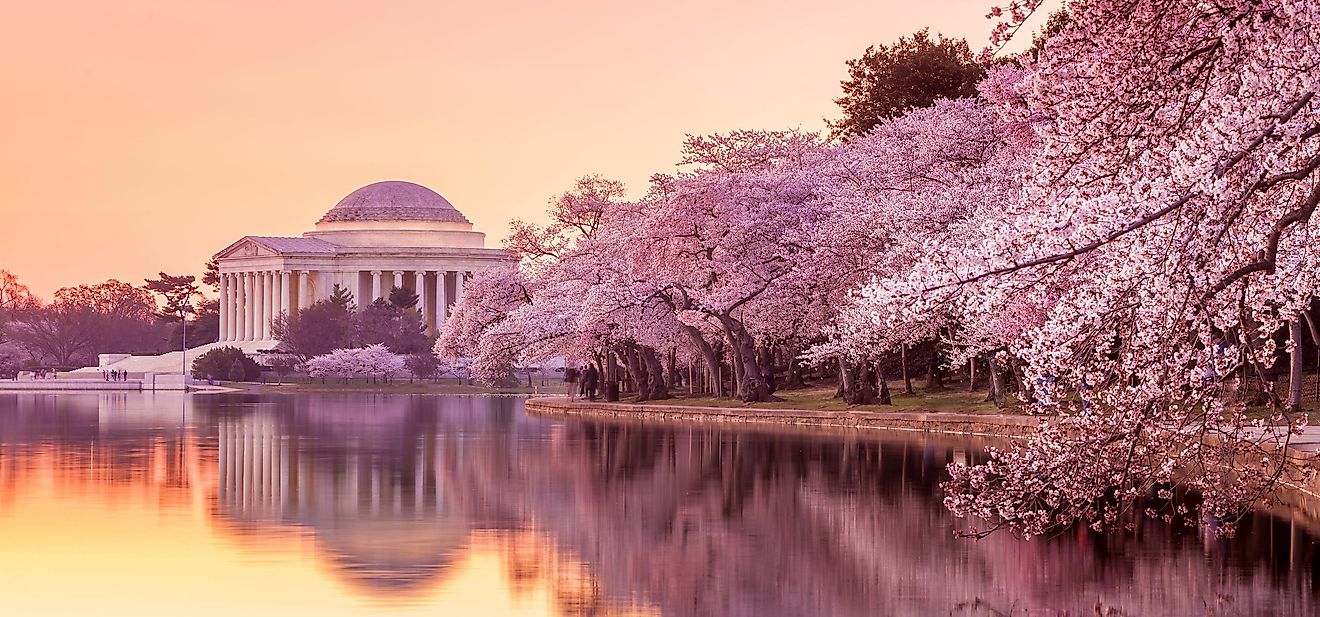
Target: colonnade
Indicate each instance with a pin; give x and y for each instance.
(250, 302)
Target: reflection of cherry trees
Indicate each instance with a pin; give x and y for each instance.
(706, 522)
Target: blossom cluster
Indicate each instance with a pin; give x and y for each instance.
(369, 361)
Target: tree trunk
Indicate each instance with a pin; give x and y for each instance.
(1315, 338)
(793, 376)
(1295, 366)
(720, 378)
(751, 388)
(859, 382)
(636, 372)
(611, 377)
(971, 374)
(657, 388)
(766, 367)
(738, 370)
(840, 389)
(1024, 388)
(712, 359)
(882, 396)
(847, 389)
(996, 393)
(907, 377)
(935, 378)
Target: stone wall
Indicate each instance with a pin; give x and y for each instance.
(949, 423)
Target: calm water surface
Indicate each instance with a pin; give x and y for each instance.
(150, 504)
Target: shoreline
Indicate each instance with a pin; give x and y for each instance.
(970, 425)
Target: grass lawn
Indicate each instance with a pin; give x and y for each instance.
(955, 399)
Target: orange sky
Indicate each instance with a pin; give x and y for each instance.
(138, 136)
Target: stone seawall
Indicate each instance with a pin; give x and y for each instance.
(69, 385)
(978, 425)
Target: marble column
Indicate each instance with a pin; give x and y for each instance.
(267, 303)
(253, 296)
(458, 285)
(232, 308)
(306, 292)
(240, 332)
(422, 304)
(256, 295)
(224, 312)
(259, 306)
(376, 284)
(295, 292)
(282, 303)
(273, 276)
(441, 297)
(398, 278)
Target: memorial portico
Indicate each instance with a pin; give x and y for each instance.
(383, 235)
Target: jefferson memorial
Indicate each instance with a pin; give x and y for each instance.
(383, 235)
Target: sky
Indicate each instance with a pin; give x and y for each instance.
(141, 136)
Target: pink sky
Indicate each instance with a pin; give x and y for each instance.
(139, 136)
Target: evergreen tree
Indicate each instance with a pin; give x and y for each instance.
(889, 80)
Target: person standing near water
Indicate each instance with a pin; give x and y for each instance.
(571, 378)
(589, 380)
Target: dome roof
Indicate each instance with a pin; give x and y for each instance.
(394, 200)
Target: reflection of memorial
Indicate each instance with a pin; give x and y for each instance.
(382, 513)
(366, 476)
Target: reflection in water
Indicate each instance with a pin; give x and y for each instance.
(167, 504)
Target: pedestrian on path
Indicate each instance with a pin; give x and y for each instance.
(571, 378)
(590, 379)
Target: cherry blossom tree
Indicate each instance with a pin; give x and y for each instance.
(375, 361)
(1169, 210)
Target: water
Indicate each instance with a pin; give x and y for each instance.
(142, 504)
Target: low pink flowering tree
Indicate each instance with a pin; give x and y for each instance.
(373, 361)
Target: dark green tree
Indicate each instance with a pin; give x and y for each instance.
(180, 294)
(219, 363)
(236, 372)
(1054, 24)
(176, 295)
(323, 327)
(403, 297)
(212, 275)
(889, 80)
(384, 323)
(343, 298)
(422, 365)
(283, 366)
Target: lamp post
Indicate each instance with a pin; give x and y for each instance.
(184, 309)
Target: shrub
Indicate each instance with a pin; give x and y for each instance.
(219, 363)
(236, 372)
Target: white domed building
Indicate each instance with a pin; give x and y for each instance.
(383, 235)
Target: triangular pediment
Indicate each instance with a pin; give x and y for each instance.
(246, 247)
